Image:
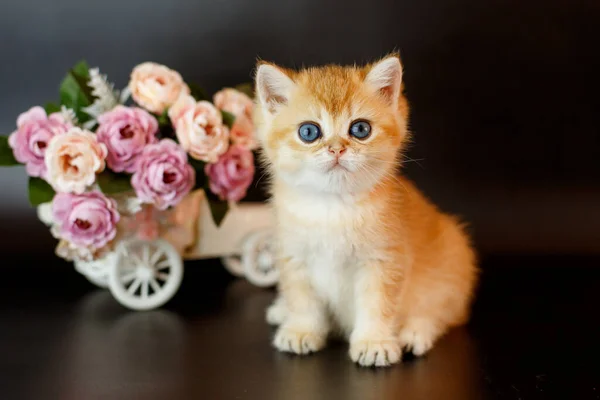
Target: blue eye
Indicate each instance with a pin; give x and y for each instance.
(309, 132)
(360, 129)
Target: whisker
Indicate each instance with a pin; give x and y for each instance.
(414, 160)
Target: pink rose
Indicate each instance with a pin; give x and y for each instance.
(199, 128)
(241, 106)
(30, 141)
(86, 220)
(156, 87)
(73, 159)
(230, 177)
(163, 176)
(126, 131)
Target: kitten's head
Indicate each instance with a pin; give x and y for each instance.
(332, 129)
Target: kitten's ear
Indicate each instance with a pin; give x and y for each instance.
(385, 76)
(273, 87)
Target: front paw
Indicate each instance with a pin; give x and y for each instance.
(277, 312)
(298, 342)
(378, 353)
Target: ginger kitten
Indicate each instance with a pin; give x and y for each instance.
(361, 252)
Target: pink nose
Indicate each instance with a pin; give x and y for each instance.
(336, 151)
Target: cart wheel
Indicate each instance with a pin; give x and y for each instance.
(96, 271)
(233, 264)
(146, 274)
(258, 259)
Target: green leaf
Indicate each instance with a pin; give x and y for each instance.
(82, 69)
(51, 108)
(228, 118)
(83, 85)
(218, 208)
(165, 127)
(111, 182)
(73, 97)
(200, 175)
(163, 119)
(197, 92)
(39, 191)
(7, 158)
(75, 92)
(247, 88)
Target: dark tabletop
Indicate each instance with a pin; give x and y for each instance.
(534, 335)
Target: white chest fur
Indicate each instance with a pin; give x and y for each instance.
(326, 236)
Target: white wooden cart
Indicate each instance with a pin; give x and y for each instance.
(144, 274)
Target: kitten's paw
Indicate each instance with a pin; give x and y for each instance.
(378, 353)
(418, 337)
(292, 341)
(277, 312)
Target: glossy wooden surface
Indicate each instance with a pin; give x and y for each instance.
(533, 336)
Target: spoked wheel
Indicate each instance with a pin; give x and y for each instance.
(233, 264)
(146, 274)
(96, 271)
(258, 259)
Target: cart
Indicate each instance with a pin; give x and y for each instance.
(144, 269)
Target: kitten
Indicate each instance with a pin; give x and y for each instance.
(361, 252)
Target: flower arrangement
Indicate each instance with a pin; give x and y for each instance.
(99, 160)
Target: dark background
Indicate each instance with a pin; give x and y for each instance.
(504, 93)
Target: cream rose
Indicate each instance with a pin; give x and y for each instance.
(234, 101)
(241, 106)
(73, 159)
(199, 128)
(156, 87)
(242, 133)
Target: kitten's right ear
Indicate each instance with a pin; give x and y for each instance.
(385, 76)
(273, 87)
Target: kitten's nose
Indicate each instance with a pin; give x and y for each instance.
(336, 151)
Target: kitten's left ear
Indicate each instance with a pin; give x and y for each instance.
(385, 76)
